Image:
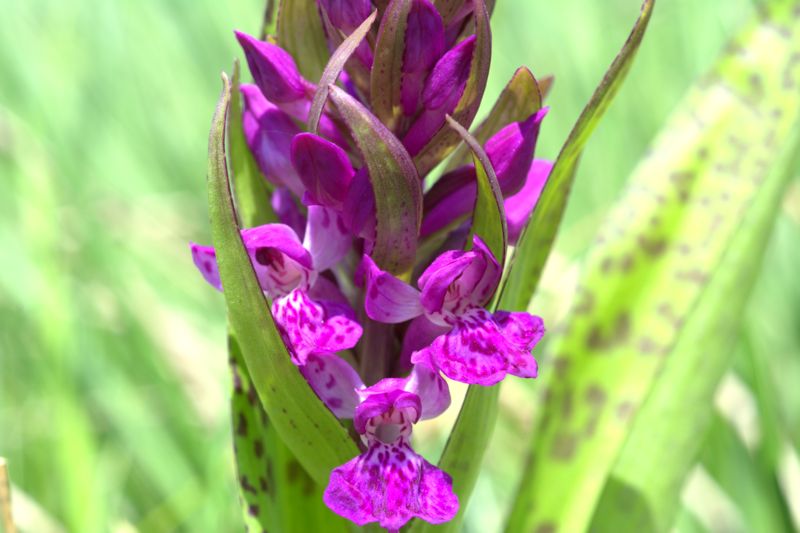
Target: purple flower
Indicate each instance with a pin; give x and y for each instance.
(468, 343)
(312, 313)
(390, 483)
(347, 186)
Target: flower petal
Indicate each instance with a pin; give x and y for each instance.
(481, 349)
(450, 200)
(421, 332)
(359, 207)
(391, 484)
(286, 209)
(315, 327)
(442, 92)
(511, 151)
(424, 45)
(457, 281)
(327, 238)
(269, 133)
(346, 15)
(205, 259)
(334, 381)
(274, 70)
(433, 392)
(386, 397)
(323, 167)
(520, 206)
(388, 299)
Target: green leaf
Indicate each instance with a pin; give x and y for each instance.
(661, 298)
(537, 237)
(251, 191)
(520, 99)
(398, 193)
(302, 421)
(387, 75)
(301, 34)
(276, 492)
(463, 454)
(755, 492)
(334, 68)
(488, 215)
(446, 139)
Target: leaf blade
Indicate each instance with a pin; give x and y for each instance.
(692, 224)
(537, 237)
(520, 98)
(302, 421)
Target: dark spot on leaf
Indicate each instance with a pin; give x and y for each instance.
(246, 486)
(585, 302)
(595, 395)
(652, 246)
(546, 527)
(600, 341)
(241, 426)
(564, 446)
(625, 410)
(561, 365)
(258, 448)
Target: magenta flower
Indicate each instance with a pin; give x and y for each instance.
(466, 342)
(390, 483)
(311, 311)
(345, 157)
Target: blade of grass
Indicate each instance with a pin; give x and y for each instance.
(674, 238)
(302, 421)
(537, 237)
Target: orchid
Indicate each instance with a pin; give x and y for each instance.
(451, 330)
(380, 288)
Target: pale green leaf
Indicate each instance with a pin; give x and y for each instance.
(661, 297)
(539, 233)
(302, 421)
(275, 491)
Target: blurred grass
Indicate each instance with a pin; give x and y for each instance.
(113, 376)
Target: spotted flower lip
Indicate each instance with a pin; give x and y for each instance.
(288, 272)
(390, 483)
(468, 343)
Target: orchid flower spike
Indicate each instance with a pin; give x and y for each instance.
(344, 155)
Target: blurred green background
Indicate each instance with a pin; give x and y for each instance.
(113, 376)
